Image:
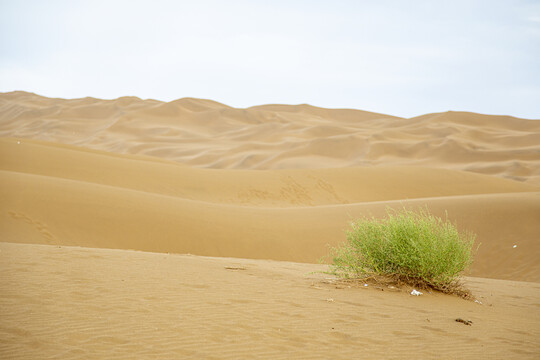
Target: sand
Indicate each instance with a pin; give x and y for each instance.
(263, 191)
(125, 304)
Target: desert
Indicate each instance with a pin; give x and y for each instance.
(138, 228)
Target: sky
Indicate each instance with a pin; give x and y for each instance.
(403, 58)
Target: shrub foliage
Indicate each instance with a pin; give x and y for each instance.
(412, 247)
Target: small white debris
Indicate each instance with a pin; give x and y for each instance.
(478, 302)
(515, 246)
(366, 285)
(416, 293)
(330, 300)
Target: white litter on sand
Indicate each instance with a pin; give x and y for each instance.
(416, 293)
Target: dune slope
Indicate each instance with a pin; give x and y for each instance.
(57, 194)
(268, 182)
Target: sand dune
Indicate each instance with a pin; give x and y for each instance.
(278, 182)
(247, 187)
(185, 176)
(59, 194)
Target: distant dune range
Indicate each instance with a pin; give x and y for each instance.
(269, 182)
(208, 134)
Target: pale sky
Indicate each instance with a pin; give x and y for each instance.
(403, 58)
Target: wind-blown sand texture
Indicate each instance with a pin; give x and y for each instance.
(277, 182)
(80, 303)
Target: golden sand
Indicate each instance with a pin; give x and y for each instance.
(273, 182)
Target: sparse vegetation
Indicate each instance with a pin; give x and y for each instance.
(415, 248)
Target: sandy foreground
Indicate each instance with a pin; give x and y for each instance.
(256, 195)
(81, 303)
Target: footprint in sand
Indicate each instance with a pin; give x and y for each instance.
(40, 227)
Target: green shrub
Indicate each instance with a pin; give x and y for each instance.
(416, 248)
